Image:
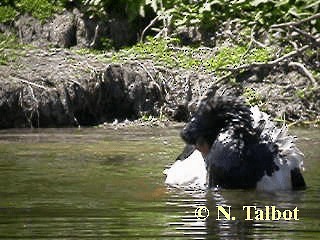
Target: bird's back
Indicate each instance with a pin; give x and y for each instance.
(239, 164)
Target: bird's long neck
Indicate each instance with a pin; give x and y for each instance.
(216, 114)
(234, 115)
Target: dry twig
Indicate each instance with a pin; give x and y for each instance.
(29, 83)
(147, 27)
(305, 71)
(291, 24)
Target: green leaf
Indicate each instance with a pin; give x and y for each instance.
(141, 11)
(293, 11)
(282, 3)
(205, 8)
(255, 3)
(153, 4)
(7, 13)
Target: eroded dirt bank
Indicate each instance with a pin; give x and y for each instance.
(57, 87)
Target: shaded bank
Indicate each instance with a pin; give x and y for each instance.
(58, 87)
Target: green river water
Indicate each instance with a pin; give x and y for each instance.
(108, 184)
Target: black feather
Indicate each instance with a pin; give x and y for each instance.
(243, 158)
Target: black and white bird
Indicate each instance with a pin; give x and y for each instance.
(230, 145)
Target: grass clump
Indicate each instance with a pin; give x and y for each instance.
(40, 9)
(10, 48)
(253, 98)
(238, 55)
(169, 54)
(307, 93)
(7, 13)
(154, 49)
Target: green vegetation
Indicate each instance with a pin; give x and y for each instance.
(7, 13)
(8, 47)
(208, 14)
(264, 12)
(41, 9)
(167, 52)
(153, 119)
(238, 55)
(307, 93)
(154, 49)
(253, 98)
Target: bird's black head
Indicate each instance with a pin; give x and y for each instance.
(214, 114)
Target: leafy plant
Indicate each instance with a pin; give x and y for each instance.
(41, 9)
(7, 44)
(150, 118)
(7, 13)
(266, 12)
(106, 43)
(237, 55)
(253, 98)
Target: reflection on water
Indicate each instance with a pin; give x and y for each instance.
(108, 184)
